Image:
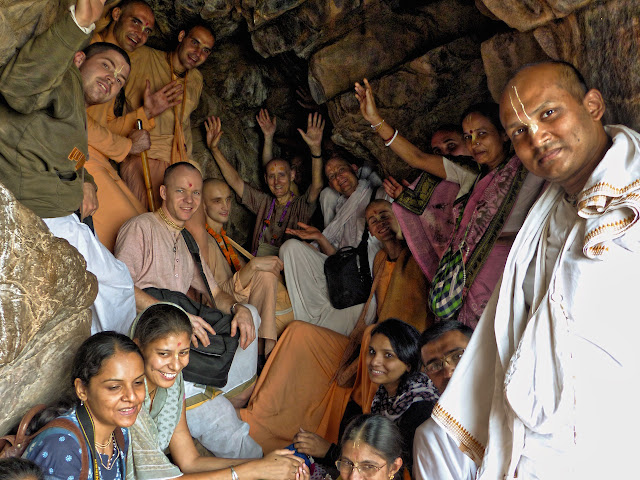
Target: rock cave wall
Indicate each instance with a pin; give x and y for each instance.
(427, 60)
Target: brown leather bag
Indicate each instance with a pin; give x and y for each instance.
(15, 445)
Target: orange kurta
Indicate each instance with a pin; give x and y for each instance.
(108, 140)
(297, 386)
(170, 142)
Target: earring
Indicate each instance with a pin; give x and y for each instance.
(81, 403)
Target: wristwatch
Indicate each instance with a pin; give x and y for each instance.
(233, 308)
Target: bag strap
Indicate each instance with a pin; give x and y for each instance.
(84, 455)
(20, 441)
(363, 251)
(192, 245)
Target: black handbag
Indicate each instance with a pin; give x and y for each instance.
(348, 275)
(207, 365)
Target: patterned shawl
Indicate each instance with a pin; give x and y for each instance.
(415, 388)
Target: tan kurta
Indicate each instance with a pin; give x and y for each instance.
(157, 256)
(259, 292)
(153, 65)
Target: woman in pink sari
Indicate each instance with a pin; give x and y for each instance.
(489, 209)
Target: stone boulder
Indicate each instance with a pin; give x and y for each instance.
(504, 54)
(45, 295)
(386, 40)
(600, 40)
(526, 15)
(418, 97)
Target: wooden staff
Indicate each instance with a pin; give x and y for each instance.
(147, 175)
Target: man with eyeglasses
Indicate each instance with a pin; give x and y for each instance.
(435, 455)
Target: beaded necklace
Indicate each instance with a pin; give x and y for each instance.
(267, 221)
(228, 251)
(167, 220)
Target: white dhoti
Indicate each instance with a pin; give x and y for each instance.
(245, 362)
(114, 307)
(307, 286)
(216, 426)
(436, 455)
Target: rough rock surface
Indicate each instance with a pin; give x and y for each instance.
(415, 99)
(599, 40)
(526, 15)
(45, 294)
(267, 49)
(386, 40)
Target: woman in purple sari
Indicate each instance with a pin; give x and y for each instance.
(488, 211)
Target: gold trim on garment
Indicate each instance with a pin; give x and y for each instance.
(611, 228)
(469, 445)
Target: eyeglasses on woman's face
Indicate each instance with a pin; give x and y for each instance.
(365, 469)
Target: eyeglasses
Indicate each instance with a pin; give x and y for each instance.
(453, 358)
(366, 469)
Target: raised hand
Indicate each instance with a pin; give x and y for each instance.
(306, 232)
(213, 125)
(88, 11)
(313, 135)
(368, 108)
(267, 125)
(168, 96)
(392, 187)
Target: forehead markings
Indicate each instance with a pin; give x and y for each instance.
(532, 124)
(117, 71)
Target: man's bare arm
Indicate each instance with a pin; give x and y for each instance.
(230, 174)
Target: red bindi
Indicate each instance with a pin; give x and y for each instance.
(179, 343)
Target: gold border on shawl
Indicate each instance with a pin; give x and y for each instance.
(608, 190)
(468, 442)
(416, 200)
(611, 228)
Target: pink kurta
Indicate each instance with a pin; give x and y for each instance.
(157, 256)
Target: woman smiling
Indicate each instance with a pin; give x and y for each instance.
(488, 212)
(108, 379)
(163, 332)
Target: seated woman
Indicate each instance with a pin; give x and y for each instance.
(108, 379)
(372, 444)
(163, 332)
(298, 386)
(405, 395)
(488, 218)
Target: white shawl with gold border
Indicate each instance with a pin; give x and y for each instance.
(549, 392)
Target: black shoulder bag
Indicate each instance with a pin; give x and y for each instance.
(207, 365)
(348, 274)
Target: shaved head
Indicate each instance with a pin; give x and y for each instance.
(569, 77)
(214, 182)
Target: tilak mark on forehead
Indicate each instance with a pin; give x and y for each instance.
(117, 71)
(532, 124)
